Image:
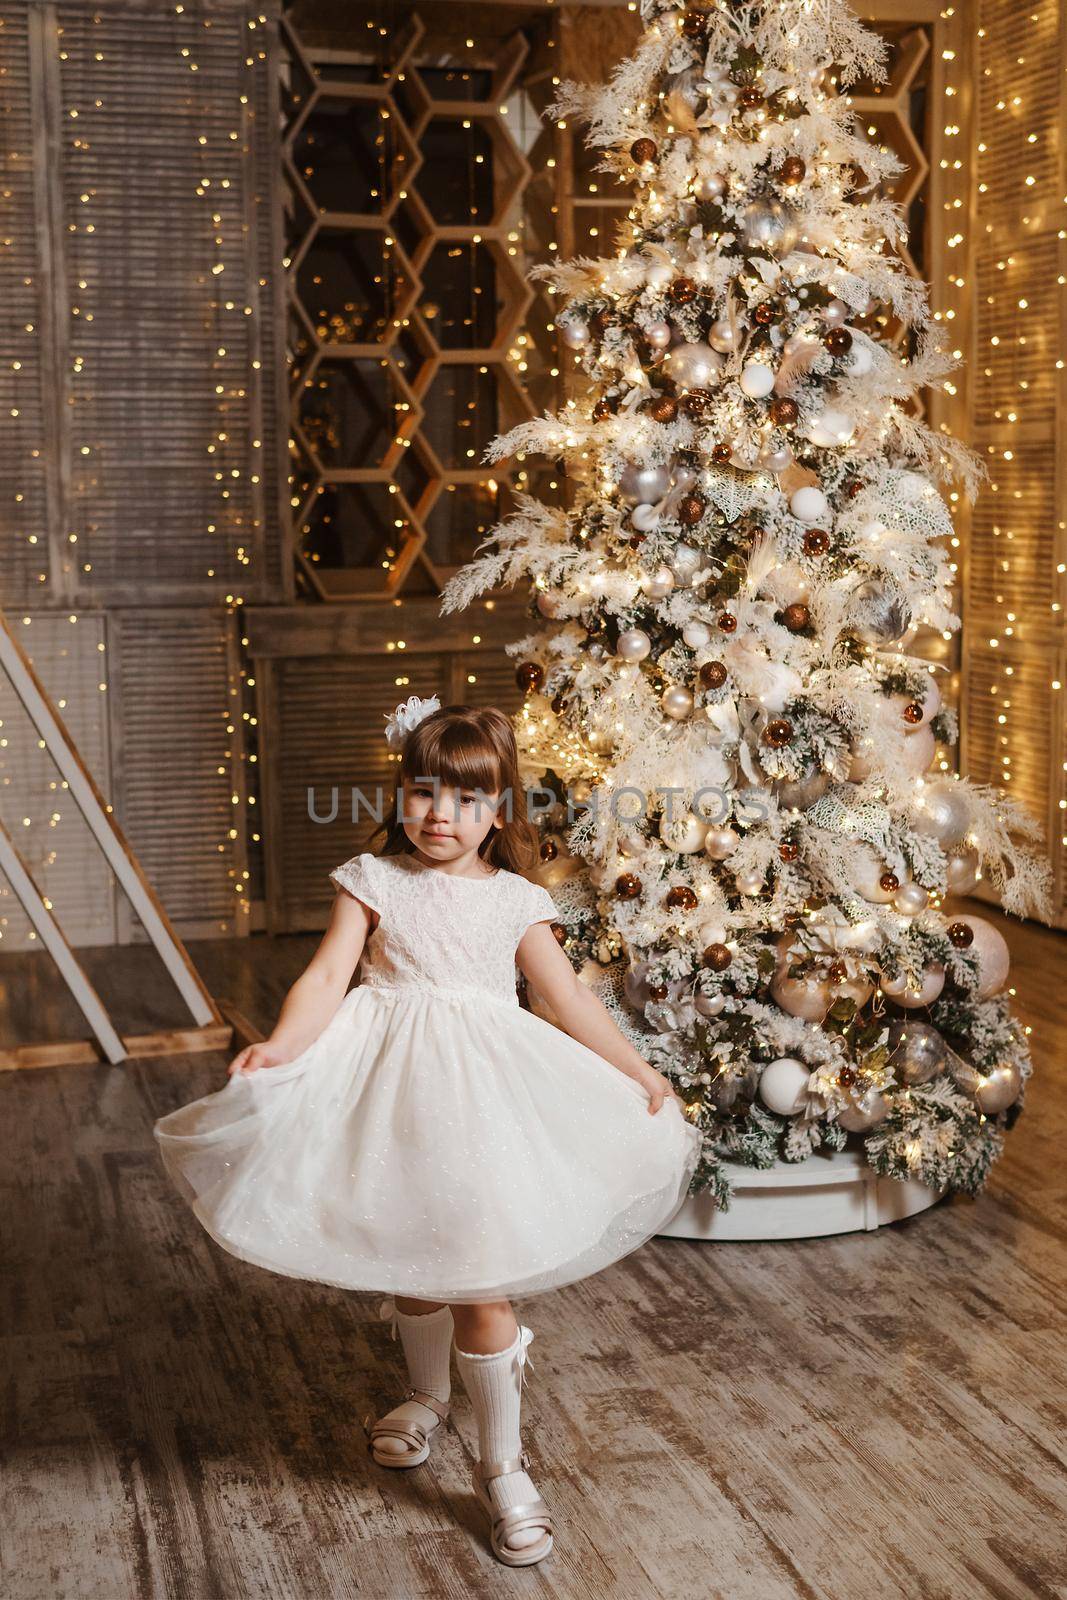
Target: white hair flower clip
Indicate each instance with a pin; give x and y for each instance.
(408, 714)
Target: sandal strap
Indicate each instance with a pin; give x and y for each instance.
(531, 1514)
(442, 1407)
(498, 1469)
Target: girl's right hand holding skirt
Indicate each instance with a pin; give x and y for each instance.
(254, 1056)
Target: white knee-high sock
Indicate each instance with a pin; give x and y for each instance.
(494, 1383)
(427, 1345)
(427, 1342)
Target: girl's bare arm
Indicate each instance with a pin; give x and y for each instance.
(580, 1012)
(318, 991)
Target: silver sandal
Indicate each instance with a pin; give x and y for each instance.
(531, 1514)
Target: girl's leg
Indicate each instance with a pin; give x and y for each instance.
(490, 1351)
(425, 1329)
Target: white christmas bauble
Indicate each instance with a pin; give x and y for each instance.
(692, 366)
(835, 315)
(994, 958)
(912, 999)
(677, 702)
(685, 834)
(658, 335)
(919, 751)
(575, 334)
(709, 1005)
(750, 882)
(645, 518)
(942, 812)
(807, 998)
(710, 186)
(722, 336)
(547, 604)
(711, 933)
(696, 635)
(865, 870)
(642, 485)
(658, 274)
(809, 504)
(634, 644)
(770, 225)
(830, 428)
(783, 1086)
(775, 460)
(999, 1088)
(864, 1112)
(683, 477)
(962, 872)
(910, 899)
(757, 380)
(685, 561)
(720, 842)
(658, 584)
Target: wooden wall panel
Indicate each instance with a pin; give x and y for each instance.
(178, 780)
(69, 656)
(1015, 727)
(25, 558)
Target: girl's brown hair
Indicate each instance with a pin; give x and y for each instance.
(467, 747)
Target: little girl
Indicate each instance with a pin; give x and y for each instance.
(423, 1135)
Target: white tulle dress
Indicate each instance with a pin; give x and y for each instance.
(436, 1140)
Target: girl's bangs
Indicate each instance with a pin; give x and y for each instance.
(454, 755)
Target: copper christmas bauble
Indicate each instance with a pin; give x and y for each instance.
(796, 617)
(529, 675)
(913, 713)
(643, 150)
(658, 991)
(712, 675)
(846, 1076)
(690, 510)
(789, 850)
(558, 704)
(778, 733)
(721, 453)
(664, 408)
(602, 410)
(765, 313)
(548, 849)
(751, 97)
(783, 412)
(696, 402)
(683, 290)
(694, 23)
(717, 957)
(838, 972)
(889, 883)
(816, 542)
(682, 896)
(627, 886)
(727, 622)
(838, 341)
(962, 935)
(794, 170)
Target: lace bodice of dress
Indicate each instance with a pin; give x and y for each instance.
(442, 933)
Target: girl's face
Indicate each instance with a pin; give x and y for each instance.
(447, 822)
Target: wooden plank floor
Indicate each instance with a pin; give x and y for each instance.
(869, 1416)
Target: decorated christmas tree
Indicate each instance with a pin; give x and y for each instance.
(753, 831)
